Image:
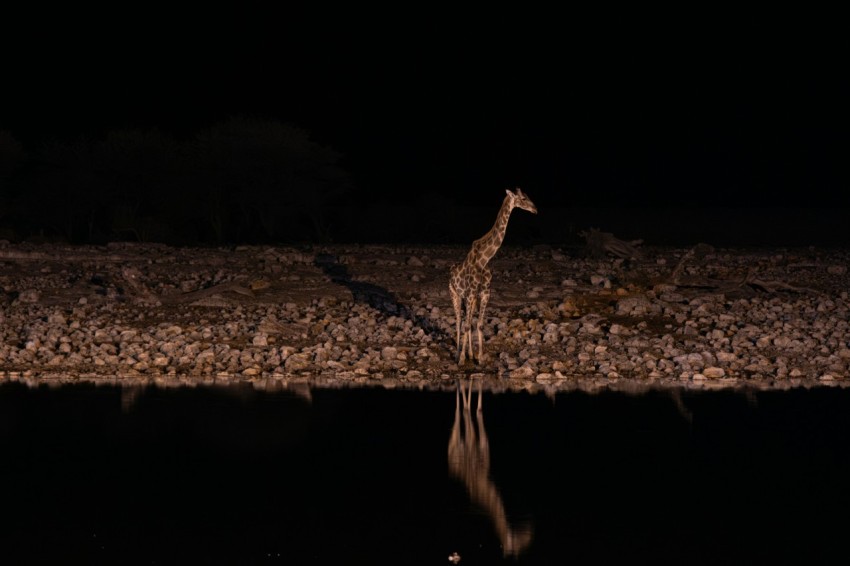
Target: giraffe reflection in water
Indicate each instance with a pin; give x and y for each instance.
(469, 461)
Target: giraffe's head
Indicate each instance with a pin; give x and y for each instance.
(520, 200)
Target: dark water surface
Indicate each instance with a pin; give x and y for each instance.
(97, 475)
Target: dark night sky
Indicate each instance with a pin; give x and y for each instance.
(578, 109)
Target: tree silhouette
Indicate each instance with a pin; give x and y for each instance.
(140, 170)
(87, 188)
(243, 179)
(11, 160)
(279, 182)
(63, 194)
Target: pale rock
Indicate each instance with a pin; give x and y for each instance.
(522, 372)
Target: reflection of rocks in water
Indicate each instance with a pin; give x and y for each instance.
(469, 461)
(302, 390)
(129, 396)
(245, 392)
(687, 414)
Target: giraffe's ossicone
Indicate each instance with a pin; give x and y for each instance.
(469, 283)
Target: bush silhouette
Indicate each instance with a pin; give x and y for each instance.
(11, 160)
(244, 179)
(265, 180)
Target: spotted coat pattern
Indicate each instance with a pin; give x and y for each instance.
(469, 282)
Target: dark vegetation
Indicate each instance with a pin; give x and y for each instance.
(242, 180)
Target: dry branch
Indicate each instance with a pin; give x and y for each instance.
(728, 285)
(602, 243)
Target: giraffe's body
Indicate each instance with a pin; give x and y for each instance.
(469, 284)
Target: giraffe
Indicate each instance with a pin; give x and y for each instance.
(469, 284)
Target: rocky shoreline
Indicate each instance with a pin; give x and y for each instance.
(351, 315)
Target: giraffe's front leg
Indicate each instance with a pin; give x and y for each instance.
(461, 357)
(478, 325)
(466, 338)
(456, 303)
(462, 340)
(483, 299)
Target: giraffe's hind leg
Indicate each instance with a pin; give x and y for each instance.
(466, 337)
(457, 303)
(484, 297)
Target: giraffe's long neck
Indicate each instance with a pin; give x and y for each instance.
(492, 240)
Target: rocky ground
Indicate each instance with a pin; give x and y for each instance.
(558, 318)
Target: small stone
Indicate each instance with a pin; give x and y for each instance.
(713, 372)
(296, 362)
(522, 372)
(389, 353)
(29, 296)
(286, 351)
(128, 335)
